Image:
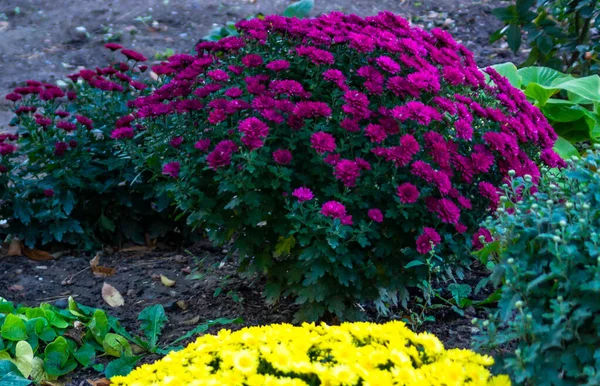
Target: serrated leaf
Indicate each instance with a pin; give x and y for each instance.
(284, 246)
(153, 319)
(121, 366)
(459, 291)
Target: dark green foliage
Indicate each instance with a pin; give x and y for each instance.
(558, 31)
(547, 322)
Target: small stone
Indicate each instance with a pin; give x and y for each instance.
(61, 303)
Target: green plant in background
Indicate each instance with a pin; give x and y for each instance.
(571, 104)
(547, 325)
(299, 9)
(559, 32)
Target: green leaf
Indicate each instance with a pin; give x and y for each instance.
(107, 223)
(7, 367)
(12, 379)
(414, 263)
(24, 358)
(510, 72)
(14, 328)
(55, 319)
(116, 345)
(56, 358)
(99, 325)
(565, 149)
(543, 82)
(513, 37)
(459, 291)
(299, 9)
(201, 328)
(68, 201)
(153, 319)
(121, 366)
(86, 354)
(284, 246)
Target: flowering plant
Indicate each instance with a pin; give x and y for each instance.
(350, 354)
(337, 153)
(62, 179)
(546, 326)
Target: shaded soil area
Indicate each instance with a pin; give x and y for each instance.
(47, 39)
(206, 287)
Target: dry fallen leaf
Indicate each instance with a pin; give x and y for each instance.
(15, 248)
(37, 254)
(166, 281)
(98, 270)
(99, 382)
(192, 321)
(111, 296)
(137, 248)
(182, 304)
(16, 288)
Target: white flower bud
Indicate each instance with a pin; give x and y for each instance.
(597, 146)
(503, 198)
(486, 323)
(511, 173)
(586, 206)
(519, 304)
(508, 281)
(569, 205)
(562, 223)
(527, 178)
(534, 207)
(549, 202)
(510, 261)
(474, 321)
(574, 158)
(529, 316)
(556, 239)
(560, 298)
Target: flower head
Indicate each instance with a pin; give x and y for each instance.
(333, 209)
(303, 194)
(427, 240)
(171, 169)
(375, 215)
(282, 156)
(322, 142)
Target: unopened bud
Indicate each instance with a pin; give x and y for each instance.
(529, 316)
(562, 223)
(508, 281)
(511, 173)
(510, 261)
(549, 202)
(560, 298)
(556, 239)
(569, 205)
(474, 321)
(519, 304)
(534, 207)
(503, 198)
(586, 206)
(486, 323)
(527, 178)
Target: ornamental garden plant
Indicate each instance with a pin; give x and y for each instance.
(546, 327)
(349, 354)
(61, 178)
(342, 157)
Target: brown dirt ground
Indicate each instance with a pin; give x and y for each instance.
(38, 40)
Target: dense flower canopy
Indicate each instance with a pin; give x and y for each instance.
(351, 354)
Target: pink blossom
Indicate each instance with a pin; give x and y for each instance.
(388, 64)
(60, 148)
(322, 142)
(221, 155)
(176, 142)
(282, 156)
(252, 60)
(171, 169)
(408, 193)
(278, 65)
(427, 240)
(202, 144)
(376, 133)
(303, 194)
(447, 211)
(347, 171)
(333, 209)
(122, 133)
(375, 215)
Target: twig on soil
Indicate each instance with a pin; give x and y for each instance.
(56, 298)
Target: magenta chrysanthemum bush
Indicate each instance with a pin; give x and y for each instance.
(61, 177)
(334, 151)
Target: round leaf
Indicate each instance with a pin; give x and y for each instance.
(14, 328)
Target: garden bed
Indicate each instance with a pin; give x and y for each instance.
(214, 291)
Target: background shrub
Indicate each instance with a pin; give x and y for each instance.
(338, 154)
(547, 322)
(62, 180)
(562, 34)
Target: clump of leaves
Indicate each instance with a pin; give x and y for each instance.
(43, 343)
(571, 104)
(549, 268)
(559, 32)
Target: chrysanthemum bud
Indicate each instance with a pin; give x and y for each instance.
(474, 321)
(560, 298)
(510, 261)
(519, 304)
(586, 206)
(549, 202)
(486, 323)
(556, 239)
(511, 173)
(569, 205)
(562, 223)
(527, 178)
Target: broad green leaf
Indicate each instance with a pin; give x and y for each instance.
(14, 328)
(121, 366)
(565, 149)
(116, 345)
(510, 72)
(543, 76)
(580, 130)
(560, 110)
(24, 358)
(85, 354)
(99, 325)
(414, 263)
(513, 37)
(153, 319)
(55, 319)
(543, 82)
(56, 358)
(12, 379)
(37, 373)
(7, 366)
(299, 9)
(459, 291)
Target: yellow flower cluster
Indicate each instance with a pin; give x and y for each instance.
(350, 354)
